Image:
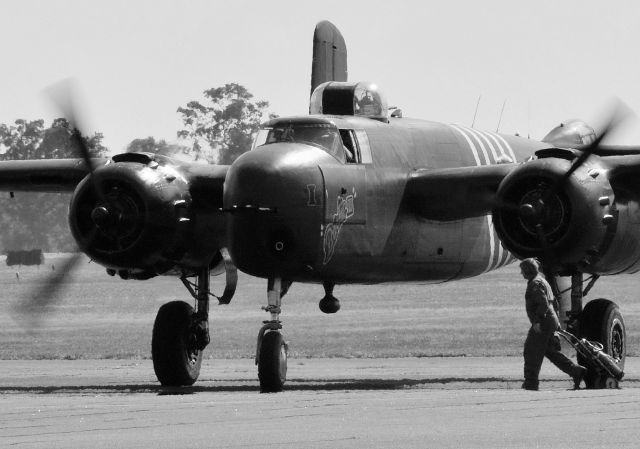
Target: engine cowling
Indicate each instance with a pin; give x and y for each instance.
(137, 216)
(570, 134)
(575, 225)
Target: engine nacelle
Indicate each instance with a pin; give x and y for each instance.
(577, 222)
(139, 215)
(570, 134)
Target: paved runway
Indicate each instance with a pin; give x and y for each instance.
(329, 403)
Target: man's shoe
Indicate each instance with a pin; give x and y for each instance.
(578, 377)
(526, 386)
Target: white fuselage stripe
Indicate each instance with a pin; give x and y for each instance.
(471, 145)
(497, 255)
(492, 136)
(481, 137)
(491, 243)
(511, 153)
(498, 245)
(472, 136)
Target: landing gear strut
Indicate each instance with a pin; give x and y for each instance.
(600, 321)
(180, 335)
(272, 350)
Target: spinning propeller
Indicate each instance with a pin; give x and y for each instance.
(133, 215)
(31, 309)
(541, 205)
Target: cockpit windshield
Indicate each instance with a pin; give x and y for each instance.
(322, 135)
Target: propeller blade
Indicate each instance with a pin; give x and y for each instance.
(618, 113)
(507, 206)
(30, 311)
(64, 97)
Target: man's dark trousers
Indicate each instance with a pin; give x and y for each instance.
(537, 346)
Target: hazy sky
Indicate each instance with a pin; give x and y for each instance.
(138, 61)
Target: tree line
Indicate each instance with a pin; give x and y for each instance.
(216, 129)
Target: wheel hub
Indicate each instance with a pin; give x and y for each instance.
(617, 340)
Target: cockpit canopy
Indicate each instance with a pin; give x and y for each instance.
(322, 134)
(349, 98)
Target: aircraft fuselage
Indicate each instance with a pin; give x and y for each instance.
(300, 213)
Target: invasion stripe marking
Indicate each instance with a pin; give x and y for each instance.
(507, 260)
(501, 252)
(472, 136)
(480, 136)
(513, 155)
(492, 136)
(471, 145)
(491, 243)
(498, 244)
(496, 250)
(482, 147)
(505, 255)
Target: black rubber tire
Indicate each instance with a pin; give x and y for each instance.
(176, 362)
(606, 382)
(602, 322)
(272, 363)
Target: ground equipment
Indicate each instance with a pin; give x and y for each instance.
(602, 368)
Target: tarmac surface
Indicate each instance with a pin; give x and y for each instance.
(473, 402)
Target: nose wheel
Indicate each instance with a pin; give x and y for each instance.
(272, 350)
(272, 362)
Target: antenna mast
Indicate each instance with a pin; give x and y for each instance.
(501, 112)
(476, 113)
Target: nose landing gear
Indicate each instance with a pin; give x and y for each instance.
(272, 350)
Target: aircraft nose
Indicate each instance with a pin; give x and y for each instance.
(274, 198)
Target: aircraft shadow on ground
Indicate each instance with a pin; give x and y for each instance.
(242, 385)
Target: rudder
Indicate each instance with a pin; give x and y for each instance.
(329, 55)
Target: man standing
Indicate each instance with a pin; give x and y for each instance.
(541, 340)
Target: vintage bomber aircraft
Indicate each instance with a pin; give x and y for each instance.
(351, 194)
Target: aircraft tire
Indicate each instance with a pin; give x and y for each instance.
(272, 362)
(176, 361)
(602, 321)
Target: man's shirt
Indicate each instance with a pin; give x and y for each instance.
(537, 297)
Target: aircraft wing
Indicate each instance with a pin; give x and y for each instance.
(449, 194)
(623, 165)
(43, 175)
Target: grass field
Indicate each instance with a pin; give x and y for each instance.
(103, 317)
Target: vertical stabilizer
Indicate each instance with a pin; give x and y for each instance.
(329, 55)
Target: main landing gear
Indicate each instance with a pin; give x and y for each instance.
(272, 350)
(600, 321)
(181, 333)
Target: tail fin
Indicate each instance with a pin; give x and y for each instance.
(329, 55)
